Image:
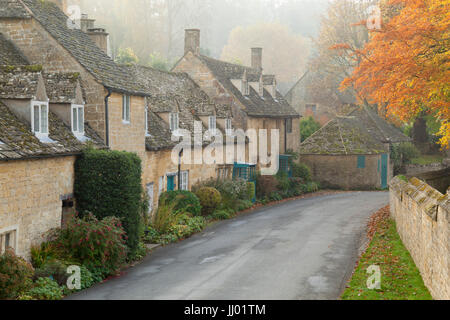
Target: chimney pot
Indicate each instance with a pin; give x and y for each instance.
(257, 58)
(192, 41)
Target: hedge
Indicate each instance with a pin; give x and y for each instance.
(108, 183)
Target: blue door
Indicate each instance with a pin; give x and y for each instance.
(384, 171)
(170, 183)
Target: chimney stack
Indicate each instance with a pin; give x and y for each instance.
(257, 58)
(98, 35)
(86, 23)
(192, 41)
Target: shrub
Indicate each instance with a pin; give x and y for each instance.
(402, 154)
(210, 199)
(308, 126)
(15, 275)
(100, 245)
(251, 190)
(165, 217)
(265, 186)
(221, 215)
(46, 289)
(244, 205)
(300, 170)
(108, 183)
(44, 253)
(186, 201)
(55, 269)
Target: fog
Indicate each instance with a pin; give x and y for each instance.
(154, 29)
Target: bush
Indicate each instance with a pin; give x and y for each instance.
(210, 199)
(165, 217)
(15, 275)
(402, 154)
(222, 214)
(251, 191)
(46, 289)
(55, 269)
(44, 253)
(308, 126)
(265, 186)
(108, 183)
(100, 245)
(186, 201)
(300, 170)
(244, 205)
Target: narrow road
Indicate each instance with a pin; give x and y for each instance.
(303, 249)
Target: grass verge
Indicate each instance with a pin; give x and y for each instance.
(400, 278)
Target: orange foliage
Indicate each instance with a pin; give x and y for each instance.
(406, 64)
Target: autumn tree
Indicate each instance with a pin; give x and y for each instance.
(284, 52)
(329, 68)
(406, 64)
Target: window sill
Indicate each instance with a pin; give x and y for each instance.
(44, 138)
(126, 122)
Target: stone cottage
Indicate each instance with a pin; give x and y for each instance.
(41, 133)
(252, 96)
(174, 103)
(352, 152)
(324, 104)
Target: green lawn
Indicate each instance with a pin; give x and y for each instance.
(427, 159)
(400, 278)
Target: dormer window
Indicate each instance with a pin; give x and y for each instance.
(126, 102)
(78, 119)
(245, 88)
(212, 124)
(39, 118)
(174, 121)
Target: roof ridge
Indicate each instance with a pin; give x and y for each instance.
(342, 139)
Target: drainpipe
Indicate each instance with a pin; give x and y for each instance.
(107, 116)
(179, 168)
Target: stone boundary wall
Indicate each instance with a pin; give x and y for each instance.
(415, 169)
(422, 215)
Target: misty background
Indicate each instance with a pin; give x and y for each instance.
(151, 32)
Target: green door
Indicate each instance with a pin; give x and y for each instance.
(170, 183)
(384, 171)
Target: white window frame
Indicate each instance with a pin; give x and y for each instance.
(126, 109)
(77, 131)
(184, 184)
(38, 132)
(174, 121)
(147, 132)
(13, 243)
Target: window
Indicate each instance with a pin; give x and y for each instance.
(312, 108)
(361, 162)
(126, 108)
(245, 88)
(8, 241)
(39, 116)
(174, 121)
(78, 119)
(289, 125)
(146, 121)
(212, 124)
(184, 184)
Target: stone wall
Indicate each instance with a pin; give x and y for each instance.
(31, 195)
(422, 215)
(341, 171)
(415, 169)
